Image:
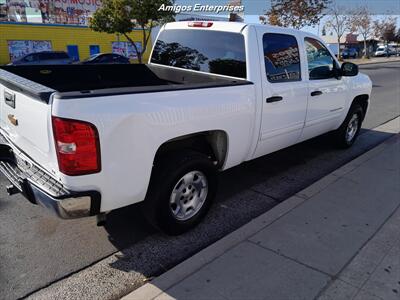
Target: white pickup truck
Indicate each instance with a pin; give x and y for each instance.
(84, 140)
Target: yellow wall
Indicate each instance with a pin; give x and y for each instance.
(61, 36)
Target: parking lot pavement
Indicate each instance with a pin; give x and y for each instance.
(337, 239)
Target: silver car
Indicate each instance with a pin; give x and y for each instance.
(384, 51)
(44, 58)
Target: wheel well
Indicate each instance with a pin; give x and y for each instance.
(212, 143)
(362, 100)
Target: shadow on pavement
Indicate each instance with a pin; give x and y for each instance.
(126, 226)
(245, 192)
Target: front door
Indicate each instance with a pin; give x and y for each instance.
(284, 91)
(327, 92)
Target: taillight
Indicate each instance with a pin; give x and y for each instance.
(77, 146)
(200, 24)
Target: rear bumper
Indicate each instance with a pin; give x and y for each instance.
(40, 188)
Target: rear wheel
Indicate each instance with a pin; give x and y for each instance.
(181, 190)
(348, 132)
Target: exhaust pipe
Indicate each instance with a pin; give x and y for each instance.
(12, 189)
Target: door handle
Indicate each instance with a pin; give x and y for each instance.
(274, 99)
(9, 99)
(316, 93)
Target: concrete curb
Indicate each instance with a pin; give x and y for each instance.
(373, 62)
(212, 252)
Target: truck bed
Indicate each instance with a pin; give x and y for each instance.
(71, 81)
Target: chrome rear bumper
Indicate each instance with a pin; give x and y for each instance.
(40, 188)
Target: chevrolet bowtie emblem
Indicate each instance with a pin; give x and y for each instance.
(13, 120)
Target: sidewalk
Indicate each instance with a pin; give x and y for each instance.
(337, 239)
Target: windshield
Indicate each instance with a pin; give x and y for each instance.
(202, 50)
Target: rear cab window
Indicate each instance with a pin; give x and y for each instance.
(208, 51)
(281, 57)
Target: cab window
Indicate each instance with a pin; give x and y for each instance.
(321, 64)
(105, 58)
(46, 56)
(214, 52)
(31, 58)
(281, 56)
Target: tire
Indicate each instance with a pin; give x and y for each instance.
(181, 190)
(348, 132)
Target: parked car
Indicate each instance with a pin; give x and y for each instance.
(384, 51)
(349, 53)
(334, 48)
(106, 58)
(44, 58)
(214, 94)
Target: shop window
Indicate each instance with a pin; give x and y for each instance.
(94, 49)
(73, 52)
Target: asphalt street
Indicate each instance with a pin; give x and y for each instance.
(37, 249)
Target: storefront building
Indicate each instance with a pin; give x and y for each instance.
(18, 39)
(28, 26)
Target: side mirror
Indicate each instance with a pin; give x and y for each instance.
(349, 69)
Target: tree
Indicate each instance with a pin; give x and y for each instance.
(176, 55)
(123, 16)
(296, 13)
(362, 24)
(339, 22)
(262, 19)
(398, 36)
(323, 31)
(385, 29)
(227, 66)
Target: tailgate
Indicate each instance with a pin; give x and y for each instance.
(26, 123)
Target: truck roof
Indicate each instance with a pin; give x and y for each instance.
(216, 25)
(224, 26)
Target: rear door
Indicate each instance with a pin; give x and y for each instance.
(284, 90)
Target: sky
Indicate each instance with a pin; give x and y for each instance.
(257, 7)
(254, 8)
